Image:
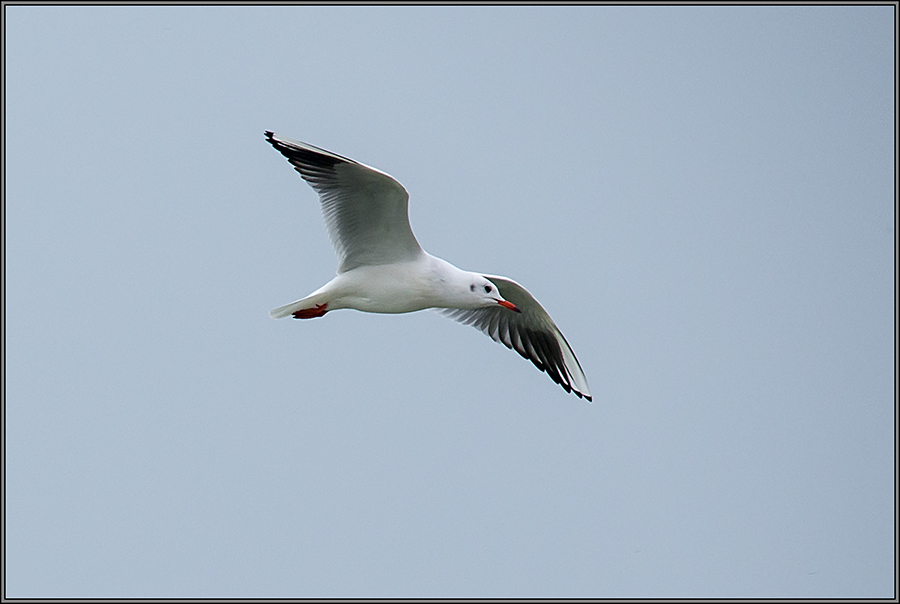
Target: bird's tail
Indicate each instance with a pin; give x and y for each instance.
(313, 305)
(288, 309)
(310, 307)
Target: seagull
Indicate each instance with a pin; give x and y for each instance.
(383, 269)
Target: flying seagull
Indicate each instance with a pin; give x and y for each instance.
(382, 268)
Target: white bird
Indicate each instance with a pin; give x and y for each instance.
(382, 268)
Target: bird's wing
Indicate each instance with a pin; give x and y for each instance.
(531, 333)
(365, 209)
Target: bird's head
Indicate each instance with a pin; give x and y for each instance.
(485, 294)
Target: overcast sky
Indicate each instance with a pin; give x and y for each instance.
(701, 197)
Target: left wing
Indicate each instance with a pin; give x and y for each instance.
(531, 333)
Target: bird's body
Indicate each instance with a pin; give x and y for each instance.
(382, 268)
(426, 282)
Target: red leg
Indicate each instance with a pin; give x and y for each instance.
(311, 313)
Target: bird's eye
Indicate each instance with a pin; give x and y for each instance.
(487, 288)
(472, 287)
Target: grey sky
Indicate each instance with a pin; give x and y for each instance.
(702, 198)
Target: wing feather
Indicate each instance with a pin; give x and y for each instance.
(365, 210)
(531, 333)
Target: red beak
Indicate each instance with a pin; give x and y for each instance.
(508, 305)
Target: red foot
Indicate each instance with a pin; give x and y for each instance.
(311, 313)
